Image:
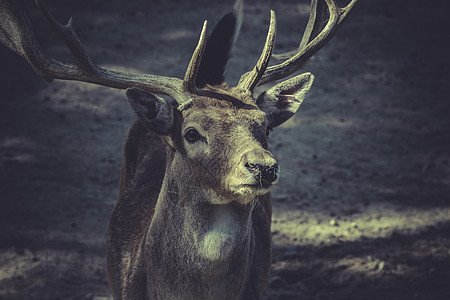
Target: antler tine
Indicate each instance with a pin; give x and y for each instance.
(249, 80)
(69, 37)
(313, 39)
(164, 85)
(313, 28)
(86, 70)
(16, 33)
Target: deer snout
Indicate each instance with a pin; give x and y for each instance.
(265, 175)
(262, 166)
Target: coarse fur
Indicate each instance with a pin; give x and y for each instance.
(201, 244)
(194, 211)
(192, 222)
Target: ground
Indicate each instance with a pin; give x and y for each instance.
(362, 210)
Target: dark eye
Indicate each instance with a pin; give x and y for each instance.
(192, 135)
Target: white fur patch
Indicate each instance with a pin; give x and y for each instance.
(220, 239)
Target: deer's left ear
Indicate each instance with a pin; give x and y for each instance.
(282, 101)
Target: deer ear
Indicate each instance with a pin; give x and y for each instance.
(153, 111)
(218, 47)
(282, 101)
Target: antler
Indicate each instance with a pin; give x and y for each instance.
(314, 38)
(250, 79)
(16, 33)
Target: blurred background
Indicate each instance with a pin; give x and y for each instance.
(362, 210)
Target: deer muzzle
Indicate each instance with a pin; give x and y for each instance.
(260, 169)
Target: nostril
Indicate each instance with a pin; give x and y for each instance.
(274, 169)
(252, 167)
(270, 173)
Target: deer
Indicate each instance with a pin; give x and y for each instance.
(193, 216)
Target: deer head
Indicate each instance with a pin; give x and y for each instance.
(202, 87)
(218, 167)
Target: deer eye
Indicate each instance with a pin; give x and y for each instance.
(192, 135)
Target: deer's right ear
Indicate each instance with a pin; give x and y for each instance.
(153, 111)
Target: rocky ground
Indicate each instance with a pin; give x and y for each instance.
(362, 210)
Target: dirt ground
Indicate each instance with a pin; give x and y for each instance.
(362, 210)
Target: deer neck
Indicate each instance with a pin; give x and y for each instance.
(213, 230)
(189, 235)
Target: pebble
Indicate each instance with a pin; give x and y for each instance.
(333, 222)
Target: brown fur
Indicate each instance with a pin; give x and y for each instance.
(194, 211)
(151, 251)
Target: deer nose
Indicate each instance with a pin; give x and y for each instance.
(265, 175)
(263, 166)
